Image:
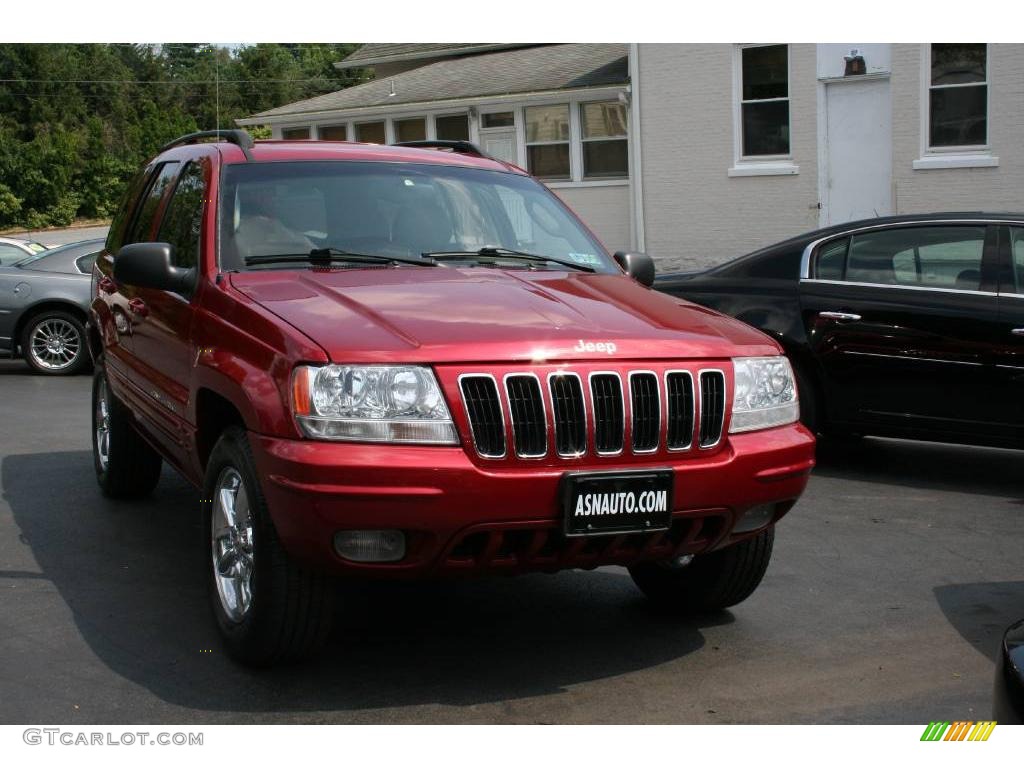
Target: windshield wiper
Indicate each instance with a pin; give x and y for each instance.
(337, 255)
(490, 251)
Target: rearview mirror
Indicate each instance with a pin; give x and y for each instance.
(639, 266)
(148, 265)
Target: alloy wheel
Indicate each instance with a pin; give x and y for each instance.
(54, 344)
(232, 545)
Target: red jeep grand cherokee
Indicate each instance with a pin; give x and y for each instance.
(402, 362)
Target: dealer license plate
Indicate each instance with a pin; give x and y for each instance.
(597, 503)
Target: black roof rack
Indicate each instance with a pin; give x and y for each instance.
(236, 136)
(457, 146)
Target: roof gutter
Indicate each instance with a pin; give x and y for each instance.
(389, 110)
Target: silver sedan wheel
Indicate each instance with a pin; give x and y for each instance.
(54, 344)
(231, 530)
(102, 420)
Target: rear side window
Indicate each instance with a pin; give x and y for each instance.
(10, 254)
(182, 223)
(84, 263)
(1017, 252)
(926, 257)
(832, 260)
(147, 209)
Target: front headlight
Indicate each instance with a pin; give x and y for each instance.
(372, 403)
(765, 393)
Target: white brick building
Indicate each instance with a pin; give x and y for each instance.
(698, 153)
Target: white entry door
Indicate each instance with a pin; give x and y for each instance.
(500, 145)
(857, 175)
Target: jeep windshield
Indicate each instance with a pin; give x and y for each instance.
(275, 215)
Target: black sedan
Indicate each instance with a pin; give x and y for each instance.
(904, 326)
(1008, 707)
(43, 304)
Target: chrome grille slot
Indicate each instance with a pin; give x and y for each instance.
(712, 407)
(526, 408)
(570, 414)
(646, 411)
(679, 390)
(609, 417)
(486, 421)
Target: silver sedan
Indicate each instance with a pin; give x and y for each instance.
(43, 304)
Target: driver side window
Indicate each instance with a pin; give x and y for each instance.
(182, 223)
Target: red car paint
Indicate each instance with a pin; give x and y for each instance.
(240, 336)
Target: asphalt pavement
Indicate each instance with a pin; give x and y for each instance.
(890, 586)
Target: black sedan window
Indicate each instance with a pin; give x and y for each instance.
(928, 257)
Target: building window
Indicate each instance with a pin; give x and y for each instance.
(332, 132)
(547, 141)
(452, 127)
(958, 95)
(764, 101)
(498, 120)
(371, 133)
(294, 134)
(411, 129)
(605, 145)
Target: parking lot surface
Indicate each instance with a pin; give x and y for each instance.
(891, 584)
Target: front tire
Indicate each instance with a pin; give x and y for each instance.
(53, 344)
(269, 609)
(711, 582)
(126, 466)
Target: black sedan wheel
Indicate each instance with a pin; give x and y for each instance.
(54, 344)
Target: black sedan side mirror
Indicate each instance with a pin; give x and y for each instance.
(639, 266)
(148, 265)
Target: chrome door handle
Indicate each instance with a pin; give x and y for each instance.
(1018, 331)
(842, 317)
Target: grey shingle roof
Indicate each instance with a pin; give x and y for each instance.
(521, 70)
(379, 53)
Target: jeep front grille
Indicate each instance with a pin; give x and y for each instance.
(480, 394)
(646, 405)
(555, 413)
(570, 414)
(712, 407)
(609, 412)
(529, 424)
(679, 388)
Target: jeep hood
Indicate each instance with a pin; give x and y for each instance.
(451, 314)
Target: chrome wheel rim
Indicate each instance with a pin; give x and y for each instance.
(231, 530)
(102, 425)
(54, 344)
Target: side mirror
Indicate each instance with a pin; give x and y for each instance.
(639, 266)
(148, 265)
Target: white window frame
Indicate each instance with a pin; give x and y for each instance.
(966, 156)
(759, 165)
(568, 141)
(472, 110)
(583, 140)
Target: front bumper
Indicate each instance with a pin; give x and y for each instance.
(461, 517)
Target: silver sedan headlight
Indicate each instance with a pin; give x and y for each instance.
(372, 403)
(765, 393)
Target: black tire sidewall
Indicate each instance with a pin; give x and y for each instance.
(80, 361)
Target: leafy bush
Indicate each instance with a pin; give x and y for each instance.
(78, 120)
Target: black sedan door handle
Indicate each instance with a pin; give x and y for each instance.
(841, 317)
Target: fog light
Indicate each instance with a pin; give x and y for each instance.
(754, 518)
(370, 546)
